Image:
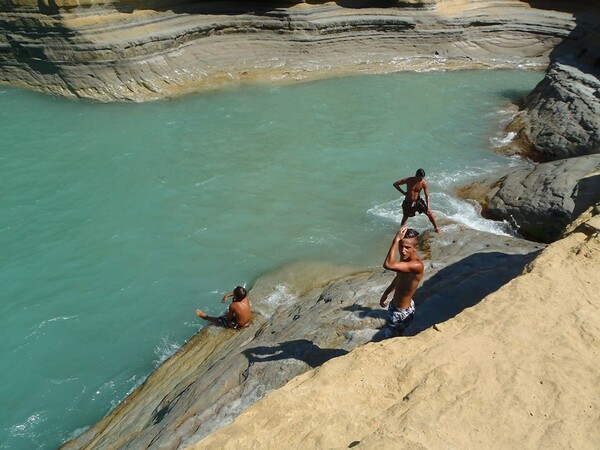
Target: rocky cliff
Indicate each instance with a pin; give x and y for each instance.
(219, 373)
(143, 50)
(517, 370)
(560, 118)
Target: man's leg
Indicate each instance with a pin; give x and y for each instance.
(404, 219)
(203, 315)
(433, 222)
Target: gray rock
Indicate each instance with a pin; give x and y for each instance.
(543, 199)
(562, 114)
(219, 372)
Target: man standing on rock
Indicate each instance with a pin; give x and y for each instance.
(239, 314)
(413, 203)
(409, 271)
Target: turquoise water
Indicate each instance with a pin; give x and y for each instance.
(118, 220)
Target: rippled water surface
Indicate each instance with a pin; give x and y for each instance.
(118, 220)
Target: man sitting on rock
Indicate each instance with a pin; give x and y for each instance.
(239, 314)
(413, 203)
(409, 271)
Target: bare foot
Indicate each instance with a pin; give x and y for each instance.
(201, 314)
(438, 231)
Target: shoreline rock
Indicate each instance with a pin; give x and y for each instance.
(540, 200)
(560, 118)
(219, 373)
(519, 369)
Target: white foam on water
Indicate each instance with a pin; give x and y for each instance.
(56, 319)
(389, 211)
(165, 349)
(468, 213)
(502, 139)
(280, 295)
(27, 428)
(464, 212)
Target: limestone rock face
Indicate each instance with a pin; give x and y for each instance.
(144, 50)
(561, 116)
(540, 200)
(219, 373)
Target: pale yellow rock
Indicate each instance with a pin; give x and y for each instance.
(521, 369)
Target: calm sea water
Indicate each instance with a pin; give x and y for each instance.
(118, 220)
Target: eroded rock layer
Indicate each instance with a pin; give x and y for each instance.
(148, 50)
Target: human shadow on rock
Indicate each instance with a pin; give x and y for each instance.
(462, 285)
(588, 194)
(366, 311)
(300, 349)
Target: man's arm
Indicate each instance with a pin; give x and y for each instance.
(227, 296)
(231, 313)
(398, 183)
(388, 291)
(390, 262)
(426, 189)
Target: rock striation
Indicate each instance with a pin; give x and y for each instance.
(219, 373)
(130, 50)
(517, 370)
(541, 200)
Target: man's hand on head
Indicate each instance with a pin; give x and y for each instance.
(401, 232)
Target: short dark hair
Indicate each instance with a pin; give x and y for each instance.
(420, 173)
(240, 293)
(411, 234)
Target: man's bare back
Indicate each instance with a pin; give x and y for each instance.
(239, 314)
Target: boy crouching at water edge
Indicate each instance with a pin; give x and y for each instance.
(239, 314)
(409, 271)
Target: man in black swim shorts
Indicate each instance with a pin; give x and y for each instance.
(413, 203)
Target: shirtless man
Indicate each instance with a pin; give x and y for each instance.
(413, 202)
(239, 314)
(409, 271)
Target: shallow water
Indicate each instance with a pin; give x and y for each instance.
(118, 220)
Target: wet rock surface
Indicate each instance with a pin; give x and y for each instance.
(219, 372)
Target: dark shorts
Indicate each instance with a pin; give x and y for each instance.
(227, 324)
(409, 208)
(398, 319)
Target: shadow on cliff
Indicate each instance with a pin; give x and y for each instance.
(456, 288)
(300, 349)
(462, 285)
(580, 47)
